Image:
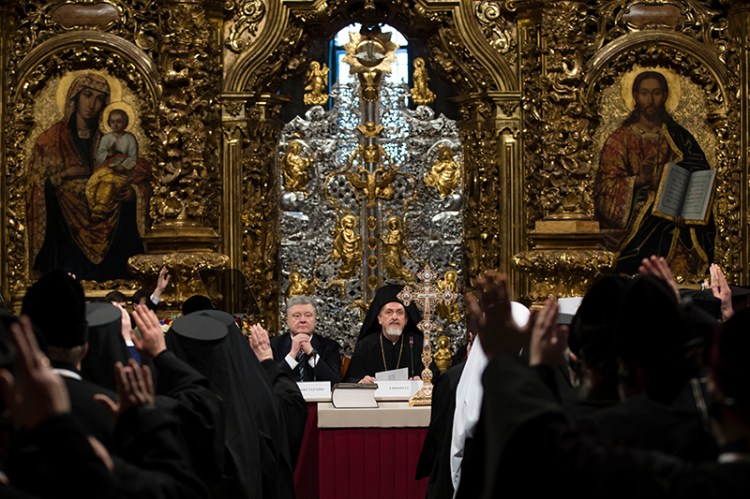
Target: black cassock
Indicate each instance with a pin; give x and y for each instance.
(375, 353)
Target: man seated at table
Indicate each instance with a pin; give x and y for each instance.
(303, 354)
(388, 340)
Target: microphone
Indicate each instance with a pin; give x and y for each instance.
(314, 354)
(411, 356)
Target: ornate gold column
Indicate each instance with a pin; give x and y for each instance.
(739, 26)
(567, 252)
(184, 206)
(7, 26)
(252, 126)
(481, 142)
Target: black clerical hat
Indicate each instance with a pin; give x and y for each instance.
(198, 326)
(195, 303)
(384, 295)
(592, 335)
(651, 328)
(56, 305)
(99, 313)
(703, 299)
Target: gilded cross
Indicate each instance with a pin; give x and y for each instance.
(426, 295)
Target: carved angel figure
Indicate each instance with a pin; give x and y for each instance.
(299, 286)
(450, 312)
(394, 247)
(443, 357)
(295, 168)
(420, 93)
(445, 173)
(347, 246)
(316, 85)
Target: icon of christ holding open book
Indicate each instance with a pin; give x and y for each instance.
(633, 172)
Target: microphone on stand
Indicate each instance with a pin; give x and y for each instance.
(314, 354)
(411, 356)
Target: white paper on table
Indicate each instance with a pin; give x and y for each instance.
(397, 390)
(393, 375)
(315, 391)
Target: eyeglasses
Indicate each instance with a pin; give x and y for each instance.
(389, 312)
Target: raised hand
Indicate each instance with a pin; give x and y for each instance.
(658, 267)
(37, 392)
(489, 310)
(135, 388)
(260, 343)
(162, 282)
(152, 342)
(721, 290)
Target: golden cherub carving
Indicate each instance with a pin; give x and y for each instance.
(420, 93)
(443, 357)
(295, 168)
(299, 286)
(445, 173)
(347, 246)
(450, 312)
(394, 247)
(316, 85)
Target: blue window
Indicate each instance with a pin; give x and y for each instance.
(340, 70)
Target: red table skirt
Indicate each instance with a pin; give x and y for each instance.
(370, 463)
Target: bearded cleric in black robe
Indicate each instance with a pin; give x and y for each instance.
(389, 339)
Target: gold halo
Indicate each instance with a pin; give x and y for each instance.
(115, 89)
(123, 106)
(626, 87)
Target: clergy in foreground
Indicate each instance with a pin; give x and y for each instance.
(388, 340)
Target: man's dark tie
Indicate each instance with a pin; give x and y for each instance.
(302, 360)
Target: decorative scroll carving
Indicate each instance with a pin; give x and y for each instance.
(566, 157)
(500, 32)
(247, 16)
(186, 191)
(41, 20)
(694, 18)
(286, 58)
(562, 272)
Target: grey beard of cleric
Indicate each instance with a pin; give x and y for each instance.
(393, 331)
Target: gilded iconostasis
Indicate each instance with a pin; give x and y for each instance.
(552, 140)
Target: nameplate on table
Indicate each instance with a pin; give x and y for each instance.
(315, 391)
(397, 390)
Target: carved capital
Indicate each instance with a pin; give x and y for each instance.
(562, 272)
(183, 268)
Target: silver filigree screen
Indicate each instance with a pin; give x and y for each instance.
(430, 220)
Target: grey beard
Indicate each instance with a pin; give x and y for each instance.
(393, 331)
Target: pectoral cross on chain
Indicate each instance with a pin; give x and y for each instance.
(426, 296)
